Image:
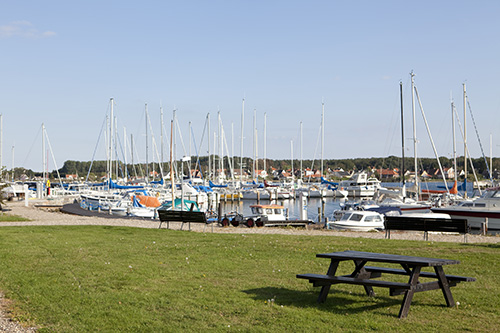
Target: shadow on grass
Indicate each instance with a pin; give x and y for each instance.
(486, 245)
(339, 302)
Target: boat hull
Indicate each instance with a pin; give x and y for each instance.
(474, 217)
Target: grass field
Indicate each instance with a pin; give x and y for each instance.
(88, 278)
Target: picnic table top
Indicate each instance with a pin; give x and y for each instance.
(388, 258)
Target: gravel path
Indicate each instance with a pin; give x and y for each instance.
(52, 216)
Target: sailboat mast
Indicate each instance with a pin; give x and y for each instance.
(232, 152)
(414, 132)
(300, 151)
(44, 159)
(125, 153)
(291, 159)
(220, 149)
(454, 139)
(241, 139)
(465, 139)
(172, 165)
(147, 148)
(209, 138)
(161, 137)
(110, 143)
(402, 136)
(254, 142)
(322, 135)
(265, 141)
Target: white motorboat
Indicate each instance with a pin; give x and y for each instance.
(356, 220)
(478, 210)
(360, 185)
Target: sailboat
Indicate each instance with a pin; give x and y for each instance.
(398, 200)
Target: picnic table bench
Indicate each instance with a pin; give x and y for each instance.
(364, 275)
(426, 225)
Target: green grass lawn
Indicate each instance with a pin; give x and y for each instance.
(88, 278)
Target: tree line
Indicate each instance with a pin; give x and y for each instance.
(97, 169)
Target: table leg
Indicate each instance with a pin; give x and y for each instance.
(445, 287)
(361, 273)
(326, 289)
(405, 307)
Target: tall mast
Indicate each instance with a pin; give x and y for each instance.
(110, 144)
(209, 138)
(454, 140)
(44, 158)
(465, 140)
(402, 140)
(265, 142)
(414, 132)
(172, 165)
(215, 143)
(491, 156)
(132, 152)
(300, 151)
(13, 147)
(147, 148)
(125, 153)
(232, 151)
(241, 138)
(220, 144)
(254, 142)
(161, 138)
(174, 142)
(190, 143)
(291, 159)
(322, 135)
(115, 148)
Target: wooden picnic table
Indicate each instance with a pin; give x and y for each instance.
(364, 275)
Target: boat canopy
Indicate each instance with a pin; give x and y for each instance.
(324, 181)
(167, 205)
(214, 185)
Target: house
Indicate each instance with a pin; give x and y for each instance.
(388, 173)
(241, 175)
(339, 173)
(425, 175)
(261, 173)
(448, 172)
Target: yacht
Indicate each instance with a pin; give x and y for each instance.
(478, 210)
(360, 185)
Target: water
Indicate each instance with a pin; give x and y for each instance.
(330, 204)
(292, 206)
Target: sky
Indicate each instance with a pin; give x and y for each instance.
(62, 61)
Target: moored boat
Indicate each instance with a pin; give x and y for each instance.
(477, 211)
(356, 220)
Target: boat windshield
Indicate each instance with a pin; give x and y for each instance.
(277, 211)
(257, 210)
(352, 217)
(373, 218)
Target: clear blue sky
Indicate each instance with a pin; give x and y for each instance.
(61, 62)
